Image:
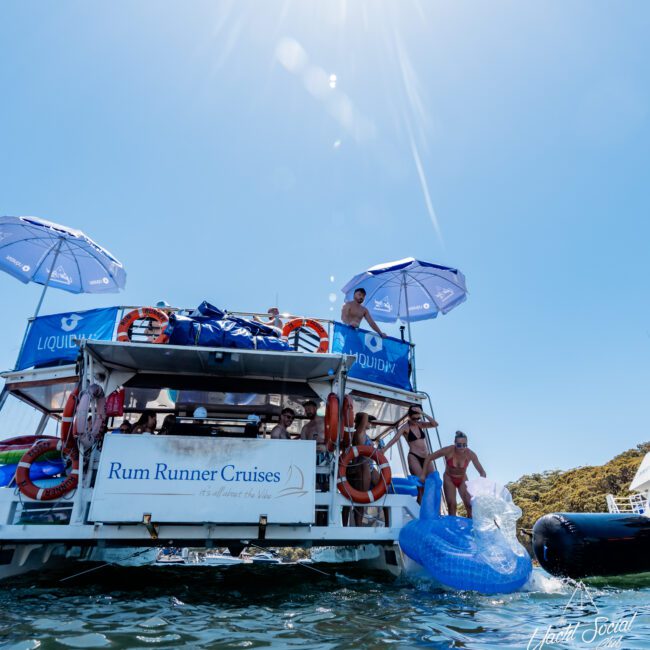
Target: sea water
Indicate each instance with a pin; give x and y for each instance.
(293, 606)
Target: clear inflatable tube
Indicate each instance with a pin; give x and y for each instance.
(480, 554)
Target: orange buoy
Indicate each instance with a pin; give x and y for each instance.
(359, 496)
(312, 324)
(125, 328)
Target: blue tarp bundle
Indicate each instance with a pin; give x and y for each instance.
(211, 327)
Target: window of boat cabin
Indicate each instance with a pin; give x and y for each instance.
(227, 414)
(20, 418)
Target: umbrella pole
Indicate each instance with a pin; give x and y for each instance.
(56, 255)
(408, 323)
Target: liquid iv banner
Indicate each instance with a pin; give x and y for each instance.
(384, 361)
(51, 338)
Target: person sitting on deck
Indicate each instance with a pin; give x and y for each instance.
(167, 425)
(280, 430)
(125, 427)
(353, 312)
(274, 320)
(457, 459)
(146, 424)
(413, 431)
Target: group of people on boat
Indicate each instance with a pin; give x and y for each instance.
(362, 476)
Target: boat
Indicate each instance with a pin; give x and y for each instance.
(211, 385)
(169, 556)
(265, 558)
(196, 557)
(580, 545)
(216, 481)
(220, 559)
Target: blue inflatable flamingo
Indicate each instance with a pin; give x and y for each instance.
(480, 554)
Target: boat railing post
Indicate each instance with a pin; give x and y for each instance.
(77, 507)
(336, 512)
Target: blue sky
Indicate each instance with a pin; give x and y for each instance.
(203, 145)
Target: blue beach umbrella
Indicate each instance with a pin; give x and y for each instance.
(409, 290)
(35, 250)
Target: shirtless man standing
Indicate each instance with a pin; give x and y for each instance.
(279, 431)
(353, 312)
(315, 430)
(315, 427)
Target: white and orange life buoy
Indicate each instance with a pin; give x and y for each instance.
(332, 422)
(312, 324)
(85, 431)
(125, 327)
(359, 496)
(24, 482)
(68, 415)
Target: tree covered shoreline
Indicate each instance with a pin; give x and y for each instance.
(582, 489)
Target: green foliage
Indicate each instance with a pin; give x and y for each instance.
(577, 490)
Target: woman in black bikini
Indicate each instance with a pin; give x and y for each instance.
(413, 430)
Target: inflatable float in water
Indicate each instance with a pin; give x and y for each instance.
(578, 545)
(480, 554)
(13, 449)
(37, 471)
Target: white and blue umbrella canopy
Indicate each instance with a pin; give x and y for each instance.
(409, 290)
(36, 250)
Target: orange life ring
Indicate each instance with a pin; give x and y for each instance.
(357, 496)
(68, 415)
(124, 328)
(332, 422)
(311, 324)
(24, 482)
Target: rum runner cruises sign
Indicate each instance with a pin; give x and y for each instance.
(187, 479)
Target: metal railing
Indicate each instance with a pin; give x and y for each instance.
(634, 504)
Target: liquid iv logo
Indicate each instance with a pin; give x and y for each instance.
(373, 343)
(69, 323)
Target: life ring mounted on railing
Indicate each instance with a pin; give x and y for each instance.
(87, 432)
(359, 496)
(310, 324)
(67, 418)
(32, 491)
(332, 422)
(125, 329)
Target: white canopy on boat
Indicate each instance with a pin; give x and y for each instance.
(146, 358)
(641, 480)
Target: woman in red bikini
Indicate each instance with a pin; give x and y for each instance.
(413, 431)
(457, 459)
